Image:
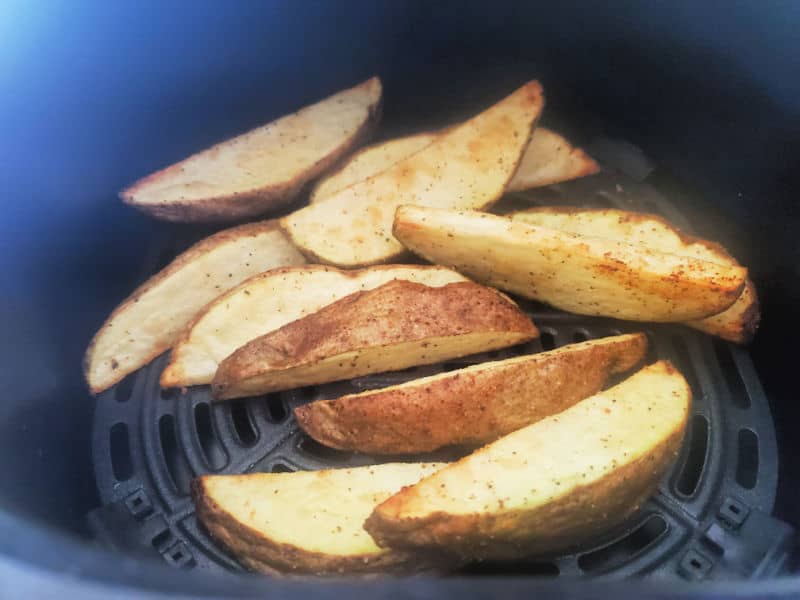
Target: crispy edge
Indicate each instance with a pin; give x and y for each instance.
(197, 250)
(326, 420)
(536, 94)
(241, 205)
(589, 166)
(260, 553)
(170, 374)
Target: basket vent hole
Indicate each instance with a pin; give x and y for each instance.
(281, 468)
(175, 462)
(124, 389)
(314, 448)
(697, 443)
(162, 539)
(747, 459)
(242, 423)
(276, 409)
(738, 393)
(506, 568)
(212, 449)
(580, 335)
(624, 549)
(548, 340)
(121, 463)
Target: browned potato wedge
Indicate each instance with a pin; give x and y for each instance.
(736, 324)
(395, 326)
(548, 159)
(469, 406)
(552, 485)
(580, 274)
(269, 301)
(370, 161)
(263, 168)
(468, 166)
(149, 320)
(306, 522)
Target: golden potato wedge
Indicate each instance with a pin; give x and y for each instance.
(469, 406)
(552, 485)
(263, 168)
(269, 301)
(370, 161)
(738, 323)
(306, 522)
(468, 166)
(580, 274)
(395, 326)
(150, 319)
(548, 159)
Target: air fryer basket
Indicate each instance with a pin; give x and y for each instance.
(709, 520)
(95, 95)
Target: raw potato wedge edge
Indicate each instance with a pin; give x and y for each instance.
(580, 274)
(548, 159)
(551, 486)
(469, 406)
(263, 168)
(468, 166)
(738, 323)
(151, 318)
(306, 522)
(267, 302)
(392, 327)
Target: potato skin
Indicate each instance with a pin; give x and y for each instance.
(238, 206)
(469, 406)
(394, 313)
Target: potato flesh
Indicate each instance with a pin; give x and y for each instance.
(736, 323)
(468, 166)
(584, 275)
(550, 485)
(315, 511)
(270, 155)
(371, 161)
(147, 323)
(549, 159)
(267, 302)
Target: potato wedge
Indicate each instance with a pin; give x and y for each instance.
(468, 166)
(395, 326)
(269, 301)
(150, 319)
(263, 168)
(580, 274)
(738, 323)
(370, 161)
(552, 485)
(305, 522)
(548, 159)
(469, 406)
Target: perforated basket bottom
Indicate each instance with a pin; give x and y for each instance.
(708, 519)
